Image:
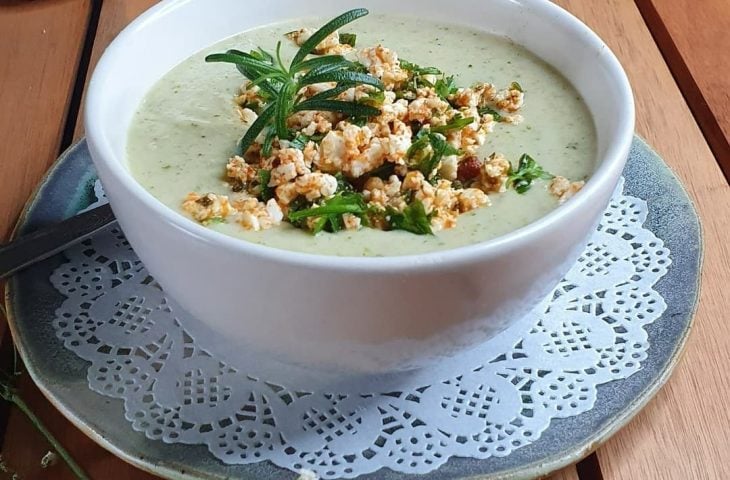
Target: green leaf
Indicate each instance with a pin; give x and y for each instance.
(267, 77)
(413, 219)
(283, 110)
(267, 192)
(278, 58)
(456, 123)
(329, 214)
(262, 55)
(334, 24)
(445, 87)
(516, 86)
(351, 109)
(332, 92)
(255, 129)
(325, 60)
(243, 59)
(528, 170)
(268, 142)
(496, 116)
(320, 224)
(419, 70)
(341, 77)
(337, 205)
(348, 39)
(440, 144)
(252, 67)
(440, 148)
(420, 143)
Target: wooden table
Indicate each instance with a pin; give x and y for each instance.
(676, 55)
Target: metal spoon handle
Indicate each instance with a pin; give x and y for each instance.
(48, 241)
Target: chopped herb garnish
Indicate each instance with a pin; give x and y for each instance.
(329, 214)
(267, 193)
(456, 123)
(417, 74)
(348, 39)
(516, 86)
(279, 85)
(527, 172)
(445, 87)
(413, 219)
(496, 116)
(441, 148)
(427, 162)
(419, 70)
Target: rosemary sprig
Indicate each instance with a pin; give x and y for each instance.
(280, 84)
(9, 394)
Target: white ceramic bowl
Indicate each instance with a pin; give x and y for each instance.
(369, 314)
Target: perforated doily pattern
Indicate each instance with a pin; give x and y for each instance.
(487, 402)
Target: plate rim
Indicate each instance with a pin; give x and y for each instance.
(540, 468)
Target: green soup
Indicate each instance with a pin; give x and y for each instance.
(187, 126)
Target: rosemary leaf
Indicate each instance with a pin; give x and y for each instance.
(255, 129)
(350, 109)
(331, 26)
(341, 77)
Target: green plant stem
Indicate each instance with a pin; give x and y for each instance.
(11, 396)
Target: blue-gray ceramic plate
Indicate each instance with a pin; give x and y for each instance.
(61, 375)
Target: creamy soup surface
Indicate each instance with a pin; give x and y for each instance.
(187, 127)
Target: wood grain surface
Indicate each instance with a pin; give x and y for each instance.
(680, 435)
(40, 45)
(683, 434)
(695, 40)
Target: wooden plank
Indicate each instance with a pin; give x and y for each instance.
(40, 43)
(39, 47)
(684, 432)
(695, 42)
(24, 447)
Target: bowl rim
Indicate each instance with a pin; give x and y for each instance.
(610, 167)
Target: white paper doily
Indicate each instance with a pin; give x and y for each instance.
(185, 386)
